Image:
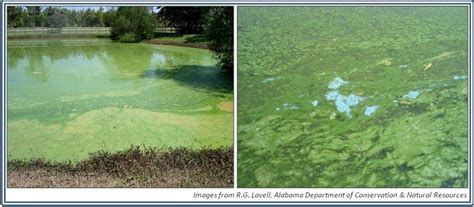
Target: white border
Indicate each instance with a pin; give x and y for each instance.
(173, 195)
(4, 102)
(186, 195)
(235, 97)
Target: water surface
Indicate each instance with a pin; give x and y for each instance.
(67, 98)
(352, 97)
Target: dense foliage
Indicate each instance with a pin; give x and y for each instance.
(132, 24)
(219, 31)
(187, 20)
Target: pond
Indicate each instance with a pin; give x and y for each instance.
(352, 97)
(68, 98)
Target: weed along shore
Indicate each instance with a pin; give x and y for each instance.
(134, 167)
(128, 109)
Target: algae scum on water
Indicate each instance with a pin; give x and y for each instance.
(352, 97)
(68, 98)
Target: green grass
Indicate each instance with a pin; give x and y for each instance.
(185, 40)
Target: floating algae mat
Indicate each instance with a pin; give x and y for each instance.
(352, 97)
(69, 98)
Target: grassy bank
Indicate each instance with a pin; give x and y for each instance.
(134, 167)
(190, 40)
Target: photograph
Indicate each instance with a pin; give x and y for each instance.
(119, 96)
(353, 96)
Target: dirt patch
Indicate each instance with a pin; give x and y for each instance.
(135, 167)
(226, 106)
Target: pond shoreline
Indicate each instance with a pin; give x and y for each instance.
(158, 41)
(154, 41)
(134, 167)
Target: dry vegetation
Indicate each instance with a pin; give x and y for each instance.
(135, 167)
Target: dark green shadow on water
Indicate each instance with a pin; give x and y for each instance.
(200, 77)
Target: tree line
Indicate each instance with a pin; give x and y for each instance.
(36, 16)
(187, 20)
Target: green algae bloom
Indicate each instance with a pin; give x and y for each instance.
(409, 128)
(68, 98)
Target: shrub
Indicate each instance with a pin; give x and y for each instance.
(132, 20)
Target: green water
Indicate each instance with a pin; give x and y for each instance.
(67, 98)
(289, 55)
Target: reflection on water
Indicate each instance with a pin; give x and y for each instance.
(352, 97)
(57, 83)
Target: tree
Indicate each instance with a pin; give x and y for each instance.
(132, 24)
(55, 17)
(56, 20)
(100, 17)
(15, 16)
(70, 18)
(109, 17)
(186, 20)
(93, 18)
(219, 31)
(35, 18)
